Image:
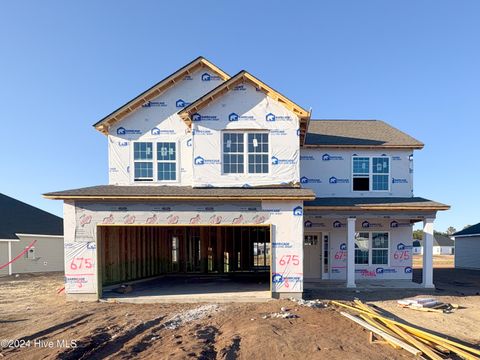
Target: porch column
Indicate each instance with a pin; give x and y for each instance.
(427, 272)
(351, 252)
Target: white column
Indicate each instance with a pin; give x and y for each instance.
(351, 252)
(10, 257)
(427, 272)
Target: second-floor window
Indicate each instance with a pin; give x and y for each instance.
(245, 153)
(370, 173)
(159, 164)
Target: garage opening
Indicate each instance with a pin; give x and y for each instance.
(185, 254)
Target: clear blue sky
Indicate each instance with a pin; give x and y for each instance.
(66, 64)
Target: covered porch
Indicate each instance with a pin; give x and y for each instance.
(366, 242)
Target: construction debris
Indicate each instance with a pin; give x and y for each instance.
(427, 305)
(400, 335)
(310, 303)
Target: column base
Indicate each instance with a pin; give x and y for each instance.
(287, 295)
(428, 286)
(351, 286)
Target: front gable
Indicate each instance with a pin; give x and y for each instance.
(244, 110)
(156, 121)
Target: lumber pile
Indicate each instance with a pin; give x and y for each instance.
(417, 342)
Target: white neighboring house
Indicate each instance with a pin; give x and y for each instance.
(467, 248)
(442, 245)
(31, 240)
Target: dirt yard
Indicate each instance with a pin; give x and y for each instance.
(439, 261)
(47, 327)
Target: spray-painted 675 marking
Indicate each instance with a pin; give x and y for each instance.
(80, 263)
(287, 259)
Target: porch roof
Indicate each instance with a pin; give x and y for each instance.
(155, 192)
(376, 203)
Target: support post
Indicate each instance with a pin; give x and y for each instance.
(9, 257)
(427, 273)
(351, 252)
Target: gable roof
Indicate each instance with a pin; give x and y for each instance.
(187, 193)
(438, 240)
(470, 231)
(245, 77)
(20, 218)
(358, 134)
(155, 91)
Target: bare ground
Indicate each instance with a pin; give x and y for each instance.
(31, 310)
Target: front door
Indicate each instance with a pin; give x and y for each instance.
(312, 256)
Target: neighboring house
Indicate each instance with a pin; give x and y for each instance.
(31, 240)
(442, 245)
(210, 173)
(467, 248)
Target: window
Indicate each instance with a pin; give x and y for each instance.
(370, 173)
(258, 153)
(235, 153)
(143, 161)
(380, 248)
(166, 161)
(361, 248)
(371, 248)
(164, 158)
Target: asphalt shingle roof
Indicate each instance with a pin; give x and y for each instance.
(414, 203)
(20, 218)
(357, 133)
(471, 230)
(182, 192)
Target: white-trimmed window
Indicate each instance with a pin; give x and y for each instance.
(371, 173)
(240, 159)
(371, 248)
(143, 161)
(155, 165)
(166, 161)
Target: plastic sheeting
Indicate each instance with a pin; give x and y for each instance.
(158, 121)
(244, 108)
(329, 172)
(286, 219)
(400, 246)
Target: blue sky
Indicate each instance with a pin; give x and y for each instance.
(415, 64)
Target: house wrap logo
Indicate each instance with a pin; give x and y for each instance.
(408, 270)
(402, 246)
(157, 131)
(335, 180)
(298, 211)
(199, 160)
(381, 270)
(328, 157)
(307, 158)
(180, 103)
(208, 77)
(367, 225)
(277, 161)
(343, 247)
(306, 180)
(198, 117)
(337, 224)
(311, 224)
(235, 117)
(399, 181)
(273, 117)
(395, 224)
(278, 132)
(196, 132)
(154, 104)
(189, 143)
(122, 131)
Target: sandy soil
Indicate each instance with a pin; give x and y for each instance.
(31, 310)
(439, 261)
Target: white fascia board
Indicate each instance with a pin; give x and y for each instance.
(36, 235)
